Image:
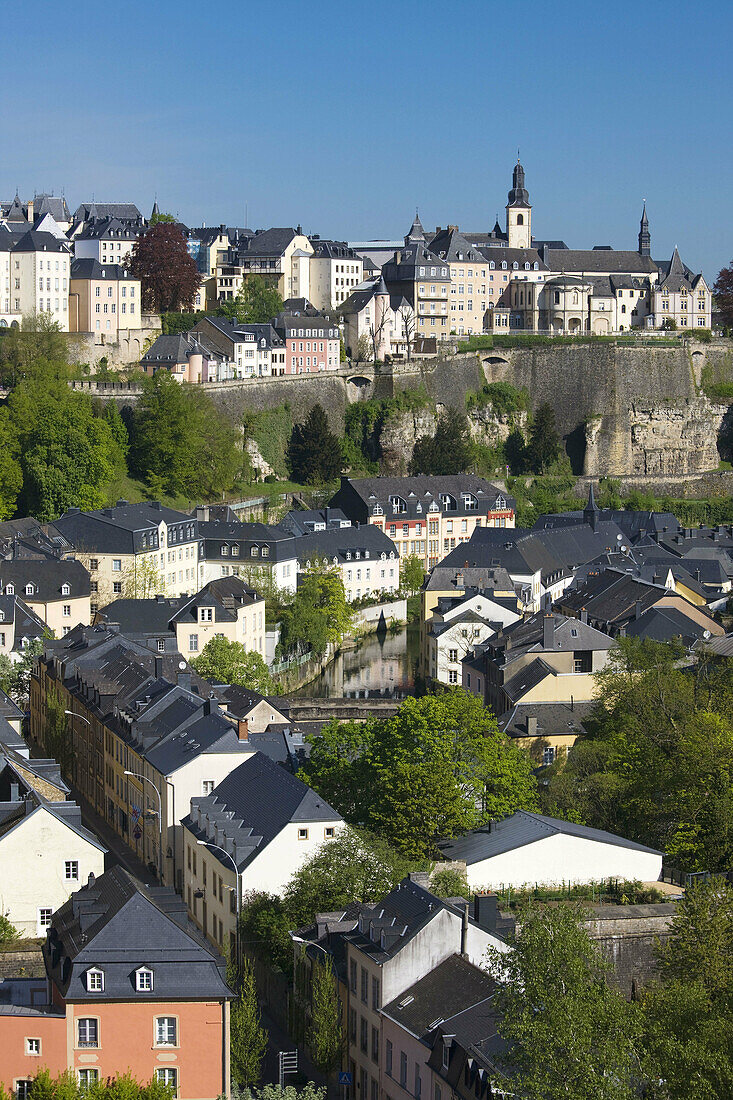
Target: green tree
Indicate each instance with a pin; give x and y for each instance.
(355, 866)
(438, 768)
(8, 932)
(314, 452)
(15, 676)
(412, 573)
(450, 882)
(325, 1033)
(265, 926)
(11, 474)
(515, 452)
(723, 293)
(570, 1035)
(657, 765)
(257, 302)
(309, 1091)
(179, 442)
(544, 442)
(36, 351)
(318, 615)
(689, 1017)
(226, 662)
(449, 451)
(248, 1038)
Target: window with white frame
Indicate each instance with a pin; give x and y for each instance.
(87, 1078)
(87, 1031)
(166, 1031)
(144, 980)
(71, 870)
(44, 919)
(95, 980)
(22, 1088)
(168, 1075)
(33, 1046)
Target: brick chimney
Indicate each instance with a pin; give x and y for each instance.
(243, 729)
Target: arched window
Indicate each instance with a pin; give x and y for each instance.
(526, 266)
(536, 266)
(520, 219)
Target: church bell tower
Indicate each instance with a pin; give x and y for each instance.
(519, 212)
(645, 237)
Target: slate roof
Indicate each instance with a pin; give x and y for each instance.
(662, 624)
(9, 709)
(28, 625)
(357, 497)
(248, 537)
(267, 242)
(553, 719)
(612, 597)
(451, 987)
(47, 575)
(117, 924)
(51, 204)
(524, 828)
(453, 247)
(252, 806)
(498, 255)
(528, 677)
(412, 255)
(88, 268)
(124, 211)
(34, 241)
(601, 261)
(332, 250)
(340, 542)
(118, 529)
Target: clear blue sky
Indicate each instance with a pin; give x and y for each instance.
(345, 116)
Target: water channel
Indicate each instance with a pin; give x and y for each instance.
(382, 666)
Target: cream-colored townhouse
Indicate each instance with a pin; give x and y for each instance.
(335, 270)
(225, 608)
(469, 271)
(40, 273)
(55, 589)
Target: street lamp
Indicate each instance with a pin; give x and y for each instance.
(230, 857)
(145, 779)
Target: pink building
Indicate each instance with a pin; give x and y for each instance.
(312, 341)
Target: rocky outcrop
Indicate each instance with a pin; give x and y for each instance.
(491, 428)
(667, 440)
(398, 436)
(260, 465)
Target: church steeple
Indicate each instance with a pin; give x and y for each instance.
(519, 211)
(645, 237)
(591, 512)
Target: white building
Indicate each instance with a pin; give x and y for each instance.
(260, 819)
(527, 849)
(45, 852)
(386, 322)
(335, 271)
(40, 270)
(459, 623)
(108, 240)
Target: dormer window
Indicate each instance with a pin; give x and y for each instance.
(29, 589)
(9, 589)
(144, 980)
(446, 1053)
(95, 980)
(65, 589)
(206, 614)
(500, 502)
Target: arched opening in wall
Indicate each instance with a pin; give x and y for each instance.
(575, 445)
(358, 389)
(520, 219)
(725, 436)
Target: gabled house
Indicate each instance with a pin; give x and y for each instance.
(459, 624)
(55, 589)
(19, 625)
(261, 819)
(40, 828)
(133, 988)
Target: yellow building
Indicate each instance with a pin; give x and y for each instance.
(424, 280)
(469, 283)
(103, 298)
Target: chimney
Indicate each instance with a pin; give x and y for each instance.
(548, 632)
(243, 729)
(531, 725)
(637, 609)
(464, 929)
(14, 792)
(158, 667)
(183, 679)
(486, 911)
(583, 615)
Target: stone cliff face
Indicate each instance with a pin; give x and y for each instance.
(398, 437)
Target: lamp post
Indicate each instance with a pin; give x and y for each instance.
(138, 775)
(230, 857)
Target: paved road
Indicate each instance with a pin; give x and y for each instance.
(117, 850)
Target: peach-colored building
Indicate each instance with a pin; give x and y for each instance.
(103, 298)
(134, 988)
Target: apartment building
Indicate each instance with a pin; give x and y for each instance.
(335, 270)
(131, 987)
(103, 298)
(460, 623)
(385, 321)
(40, 270)
(469, 280)
(225, 608)
(249, 351)
(424, 280)
(426, 517)
(108, 240)
(312, 341)
(133, 550)
(280, 255)
(55, 589)
(146, 736)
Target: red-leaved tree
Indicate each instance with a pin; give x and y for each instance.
(168, 274)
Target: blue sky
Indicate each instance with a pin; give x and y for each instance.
(345, 116)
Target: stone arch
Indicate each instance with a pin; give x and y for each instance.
(358, 388)
(600, 326)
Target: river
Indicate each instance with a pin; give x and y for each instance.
(382, 666)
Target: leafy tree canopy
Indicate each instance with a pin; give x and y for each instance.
(257, 302)
(449, 451)
(413, 573)
(226, 662)
(318, 615)
(544, 442)
(723, 293)
(657, 765)
(168, 274)
(439, 768)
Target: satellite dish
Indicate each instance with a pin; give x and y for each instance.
(181, 665)
(624, 549)
(619, 537)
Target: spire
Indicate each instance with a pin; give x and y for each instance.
(155, 211)
(519, 195)
(645, 237)
(417, 233)
(591, 512)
